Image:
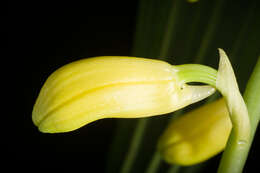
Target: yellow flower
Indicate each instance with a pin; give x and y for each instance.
(192, 1)
(111, 87)
(197, 135)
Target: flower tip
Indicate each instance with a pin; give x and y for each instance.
(201, 92)
(223, 56)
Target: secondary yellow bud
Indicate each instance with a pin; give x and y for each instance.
(111, 87)
(197, 135)
(192, 1)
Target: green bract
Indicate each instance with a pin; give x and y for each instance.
(226, 83)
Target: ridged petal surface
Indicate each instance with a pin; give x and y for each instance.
(108, 87)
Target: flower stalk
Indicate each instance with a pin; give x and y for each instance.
(179, 149)
(197, 73)
(227, 85)
(236, 152)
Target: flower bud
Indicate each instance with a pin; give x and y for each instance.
(111, 87)
(197, 135)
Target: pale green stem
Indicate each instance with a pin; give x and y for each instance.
(121, 138)
(252, 98)
(141, 45)
(240, 133)
(193, 32)
(170, 29)
(174, 169)
(134, 145)
(197, 73)
(210, 30)
(154, 163)
(236, 46)
(234, 156)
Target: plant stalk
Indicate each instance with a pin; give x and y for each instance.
(234, 156)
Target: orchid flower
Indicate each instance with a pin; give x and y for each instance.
(117, 87)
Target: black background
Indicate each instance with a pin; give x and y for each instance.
(43, 36)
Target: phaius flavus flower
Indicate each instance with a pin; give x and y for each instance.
(114, 87)
(196, 136)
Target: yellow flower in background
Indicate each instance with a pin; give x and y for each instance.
(111, 87)
(192, 1)
(197, 135)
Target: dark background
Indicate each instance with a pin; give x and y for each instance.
(43, 36)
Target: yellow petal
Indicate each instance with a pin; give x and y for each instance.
(197, 135)
(107, 87)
